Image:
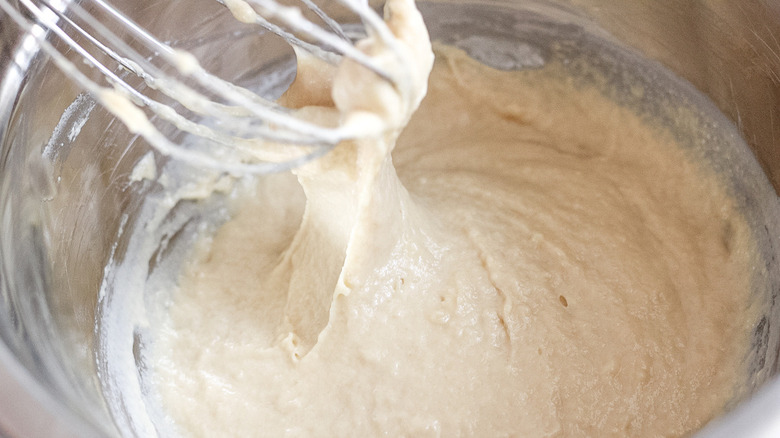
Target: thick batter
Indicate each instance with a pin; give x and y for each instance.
(532, 260)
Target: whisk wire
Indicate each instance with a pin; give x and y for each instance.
(292, 18)
(247, 127)
(249, 104)
(332, 24)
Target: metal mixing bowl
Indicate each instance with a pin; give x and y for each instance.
(65, 189)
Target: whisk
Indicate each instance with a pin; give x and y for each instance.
(242, 131)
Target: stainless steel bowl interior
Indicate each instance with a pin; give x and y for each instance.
(65, 191)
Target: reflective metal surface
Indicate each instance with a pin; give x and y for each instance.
(49, 384)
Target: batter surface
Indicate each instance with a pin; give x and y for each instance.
(531, 260)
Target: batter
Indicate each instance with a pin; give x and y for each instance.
(531, 260)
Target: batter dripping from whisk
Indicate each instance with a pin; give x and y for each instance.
(531, 260)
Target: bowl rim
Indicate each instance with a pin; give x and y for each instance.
(29, 409)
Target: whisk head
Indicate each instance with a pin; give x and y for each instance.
(237, 130)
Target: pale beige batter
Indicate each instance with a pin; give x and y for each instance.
(534, 261)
